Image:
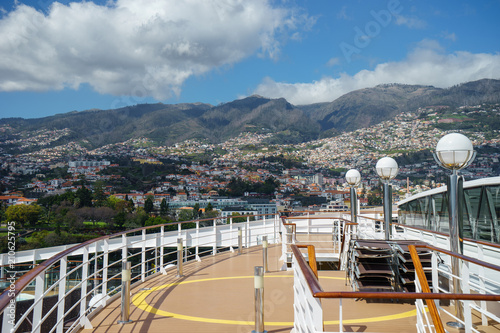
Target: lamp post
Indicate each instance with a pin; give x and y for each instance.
(353, 178)
(387, 169)
(454, 151)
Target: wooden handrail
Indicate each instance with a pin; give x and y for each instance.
(294, 227)
(431, 305)
(317, 291)
(311, 254)
(311, 279)
(28, 277)
(460, 256)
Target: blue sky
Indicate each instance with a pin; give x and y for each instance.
(63, 56)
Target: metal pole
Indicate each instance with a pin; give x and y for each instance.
(240, 241)
(126, 275)
(354, 205)
(264, 253)
(259, 299)
(179, 257)
(387, 210)
(455, 244)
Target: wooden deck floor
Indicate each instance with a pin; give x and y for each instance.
(217, 295)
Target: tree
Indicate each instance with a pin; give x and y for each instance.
(209, 208)
(85, 197)
(185, 215)
(120, 218)
(237, 219)
(99, 195)
(115, 203)
(154, 221)
(148, 204)
(136, 219)
(374, 200)
(164, 207)
(196, 211)
(24, 214)
(131, 205)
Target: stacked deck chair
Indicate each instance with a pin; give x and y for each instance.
(406, 271)
(371, 266)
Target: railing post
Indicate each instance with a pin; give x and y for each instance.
(197, 249)
(214, 247)
(264, 253)
(62, 293)
(230, 234)
(264, 220)
(466, 308)
(124, 247)
(248, 241)
(275, 226)
(126, 275)
(157, 245)
(240, 241)
(259, 299)
(179, 257)
(186, 258)
(341, 325)
(482, 284)
(143, 256)
(105, 261)
(308, 224)
(162, 239)
(37, 311)
(84, 322)
(96, 268)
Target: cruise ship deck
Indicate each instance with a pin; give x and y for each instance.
(217, 295)
(78, 288)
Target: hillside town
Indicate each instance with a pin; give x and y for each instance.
(205, 169)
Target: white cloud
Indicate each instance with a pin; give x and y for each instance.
(426, 65)
(342, 14)
(450, 36)
(333, 62)
(410, 22)
(147, 47)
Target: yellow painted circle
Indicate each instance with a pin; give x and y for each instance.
(139, 300)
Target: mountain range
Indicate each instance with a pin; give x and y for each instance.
(170, 123)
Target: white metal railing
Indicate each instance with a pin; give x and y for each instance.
(424, 322)
(308, 311)
(370, 228)
(85, 278)
(308, 293)
(474, 279)
(311, 224)
(471, 248)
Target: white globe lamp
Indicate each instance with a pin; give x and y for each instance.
(353, 177)
(455, 151)
(387, 168)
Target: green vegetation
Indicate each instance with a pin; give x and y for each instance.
(238, 187)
